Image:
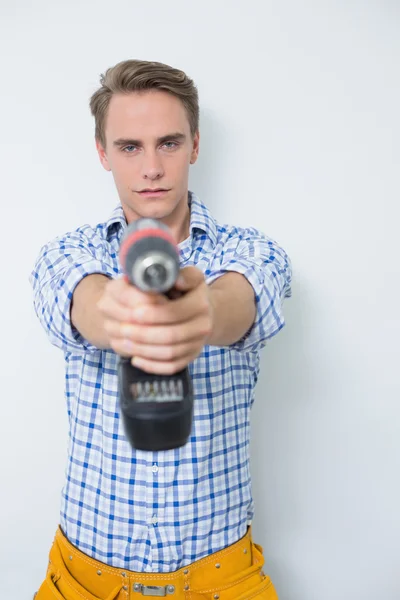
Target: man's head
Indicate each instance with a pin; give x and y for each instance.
(147, 133)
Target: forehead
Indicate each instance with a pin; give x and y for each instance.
(145, 114)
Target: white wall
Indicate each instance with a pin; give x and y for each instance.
(300, 129)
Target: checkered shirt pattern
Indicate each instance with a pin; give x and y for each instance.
(159, 511)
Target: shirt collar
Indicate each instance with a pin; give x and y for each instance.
(117, 217)
(200, 219)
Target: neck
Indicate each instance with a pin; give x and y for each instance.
(179, 224)
(178, 221)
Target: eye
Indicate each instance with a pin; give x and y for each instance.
(128, 149)
(170, 145)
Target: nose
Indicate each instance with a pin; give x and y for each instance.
(152, 167)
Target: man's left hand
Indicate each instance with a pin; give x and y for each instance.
(165, 338)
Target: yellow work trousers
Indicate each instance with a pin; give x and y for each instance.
(234, 573)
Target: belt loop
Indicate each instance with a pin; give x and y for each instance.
(115, 593)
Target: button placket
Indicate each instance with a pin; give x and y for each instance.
(158, 473)
(152, 491)
(154, 519)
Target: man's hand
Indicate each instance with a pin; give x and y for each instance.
(163, 336)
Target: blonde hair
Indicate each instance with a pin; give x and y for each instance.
(140, 75)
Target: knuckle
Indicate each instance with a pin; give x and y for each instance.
(129, 296)
(138, 338)
(107, 326)
(206, 327)
(128, 332)
(125, 330)
(100, 303)
(170, 353)
(205, 305)
(115, 345)
(172, 336)
(112, 289)
(125, 297)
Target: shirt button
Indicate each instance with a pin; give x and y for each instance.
(154, 520)
(154, 468)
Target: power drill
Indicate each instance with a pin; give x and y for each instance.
(157, 410)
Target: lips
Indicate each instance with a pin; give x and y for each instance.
(153, 192)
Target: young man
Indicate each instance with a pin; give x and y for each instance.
(174, 523)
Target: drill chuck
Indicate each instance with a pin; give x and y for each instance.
(149, 256)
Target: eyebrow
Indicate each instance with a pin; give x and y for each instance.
(176, 137)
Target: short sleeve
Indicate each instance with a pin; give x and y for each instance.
(267, 267)
(59, 267)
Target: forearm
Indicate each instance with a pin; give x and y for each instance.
(234, 309)
(232, 299)
(85, 315)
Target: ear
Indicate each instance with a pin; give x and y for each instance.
(196, 145)
(102, 155)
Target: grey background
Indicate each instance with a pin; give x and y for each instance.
(300, 137)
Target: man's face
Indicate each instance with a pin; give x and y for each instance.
(149, 148)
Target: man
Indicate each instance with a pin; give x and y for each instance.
(174, 523)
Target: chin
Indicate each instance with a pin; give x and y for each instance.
(151, 210)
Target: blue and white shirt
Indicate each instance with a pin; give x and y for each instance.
(159, 511)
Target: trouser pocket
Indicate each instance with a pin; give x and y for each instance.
(264, 590)
(259, 586)
(249, 584)
(61, 585)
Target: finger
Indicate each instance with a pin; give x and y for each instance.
(167, 334)
(114, 311)
(176, 311)
(127, 294)
(189, 278)
(162, 367)
(156, 353)
(119, 347)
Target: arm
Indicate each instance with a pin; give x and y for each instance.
(267, 270)
(70, 282)
(62, 264)
(231, 298)
(237, 302)
(85, 314)
(234, 309)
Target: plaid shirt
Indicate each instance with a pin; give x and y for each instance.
(159, 511)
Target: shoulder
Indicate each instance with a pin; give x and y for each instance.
(233, 236)
(85, 235)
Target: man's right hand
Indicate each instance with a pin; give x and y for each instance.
(116, 304)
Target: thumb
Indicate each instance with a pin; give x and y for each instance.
(189, 278)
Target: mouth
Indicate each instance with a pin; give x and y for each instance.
(153, 192)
